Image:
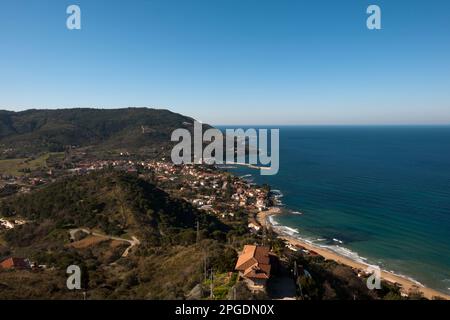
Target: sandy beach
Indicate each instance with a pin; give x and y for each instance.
(405, 283)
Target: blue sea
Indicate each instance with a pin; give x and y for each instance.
(375, 193)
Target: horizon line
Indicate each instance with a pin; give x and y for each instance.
(339, 125)
(2, 108)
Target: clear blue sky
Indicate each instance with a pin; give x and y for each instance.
(232, 61)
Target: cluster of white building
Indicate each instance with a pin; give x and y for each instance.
(10, 224)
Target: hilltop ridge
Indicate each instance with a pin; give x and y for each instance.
(144, 130)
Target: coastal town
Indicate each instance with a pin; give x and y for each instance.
(204, 186)
(210, 190)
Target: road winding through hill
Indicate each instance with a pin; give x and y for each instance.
(133, 242)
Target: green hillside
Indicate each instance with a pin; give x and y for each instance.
(115, 208)
(136, 129)
(111, 202)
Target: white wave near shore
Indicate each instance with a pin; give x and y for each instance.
(292, 232)
(337, 249)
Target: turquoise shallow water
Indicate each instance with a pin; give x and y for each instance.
(382, 193)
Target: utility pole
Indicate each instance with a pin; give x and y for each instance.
(297, 279)
(295, 268)
(212, 284)
(205, 266)
(264, 236)
(198, 232)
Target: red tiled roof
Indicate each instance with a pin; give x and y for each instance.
(13, 262)
(254, 262)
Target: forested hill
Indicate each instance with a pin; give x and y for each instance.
(140, 242)
(137, 129)
(112, 202)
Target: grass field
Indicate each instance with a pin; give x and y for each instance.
(14, 166)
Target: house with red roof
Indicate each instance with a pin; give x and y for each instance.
(14, 263)
(254, 266)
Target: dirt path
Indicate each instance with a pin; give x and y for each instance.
(134, 242)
